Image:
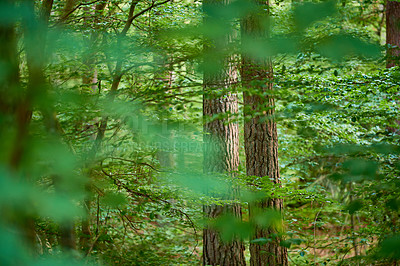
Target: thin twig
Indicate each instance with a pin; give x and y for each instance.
(134, 162)
(119, 184)
(315, 223)
(63, 18)
(132, 18)
(92, 246)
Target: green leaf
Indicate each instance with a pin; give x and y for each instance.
(114, 199)
(261, 241)
(231, 227)
(269, 218)
(285, 243)
(390, 247)
(354, 206)
(307, 13)
(393, 204)
(361, 167)
(338, 47)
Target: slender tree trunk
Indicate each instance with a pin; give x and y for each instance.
(68, 236)
(13, 102)
(68, 9)
(393, 33)
(35, 34)
(90, 79)
(393, 40)
(164, 77)
(260, 135)
(16, 114)
(35, 46)
(86, 233)
(221, 154)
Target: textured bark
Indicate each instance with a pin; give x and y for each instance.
(393, 40)
(221, 155)
(393, 32)
(222, 138)
(216, 252)
(260, 135)
(221, 150)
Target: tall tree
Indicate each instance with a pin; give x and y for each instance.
(392, 40)
(35, 46)
(260, 133)
(16, 102)
(221, 154)
(393, 33)
(90, 79)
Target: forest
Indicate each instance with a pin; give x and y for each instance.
(199, 132)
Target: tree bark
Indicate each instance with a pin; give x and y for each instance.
(392, 40)
(68, 9)
(393, 33)
(221, 138)
(221, 155)
(260, 135)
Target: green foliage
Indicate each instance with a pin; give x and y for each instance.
(308, 13)
(389, 248)
(102, 132)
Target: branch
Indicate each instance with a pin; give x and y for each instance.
(45, 11)
(63, 18)
(130, 19)
(119, 184)
(134, 162)
(92, 245)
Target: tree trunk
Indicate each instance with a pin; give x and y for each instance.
(67, 236)
(393, 40)
(35, 46)
(260, 135)
(68, 9)
(89, 59)
(392, 33)
(16, 115)
(90, 79)
(86, 233)
(221, 153)
(164, 77)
